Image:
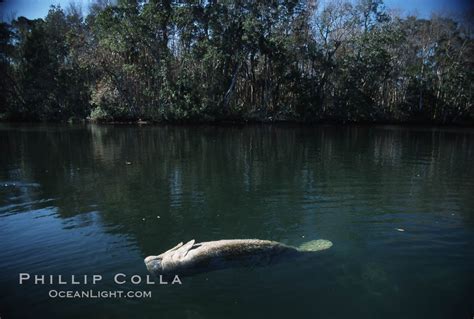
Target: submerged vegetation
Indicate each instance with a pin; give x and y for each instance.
(237, 60)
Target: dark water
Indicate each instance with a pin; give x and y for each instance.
(69, 204)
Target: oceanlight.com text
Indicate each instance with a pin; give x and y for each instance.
(98, 294)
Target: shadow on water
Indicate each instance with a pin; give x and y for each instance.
(397, 203)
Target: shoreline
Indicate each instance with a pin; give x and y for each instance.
(233, 123)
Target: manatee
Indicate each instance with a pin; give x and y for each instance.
(192, 258)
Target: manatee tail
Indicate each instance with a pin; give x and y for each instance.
(315, 245)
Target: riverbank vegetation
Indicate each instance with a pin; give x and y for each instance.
(163, 60)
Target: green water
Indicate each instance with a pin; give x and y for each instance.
(397, 203)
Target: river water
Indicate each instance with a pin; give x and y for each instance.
(397, 203)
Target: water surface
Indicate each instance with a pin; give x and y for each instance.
(397, 202)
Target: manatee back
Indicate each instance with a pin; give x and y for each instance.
(237, 253)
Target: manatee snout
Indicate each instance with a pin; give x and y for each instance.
(153, 264)
(150, 259)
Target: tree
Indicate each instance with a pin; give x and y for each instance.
(169, 60)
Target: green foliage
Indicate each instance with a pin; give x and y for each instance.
(166, 60)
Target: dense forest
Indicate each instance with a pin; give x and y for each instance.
(238, 60)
